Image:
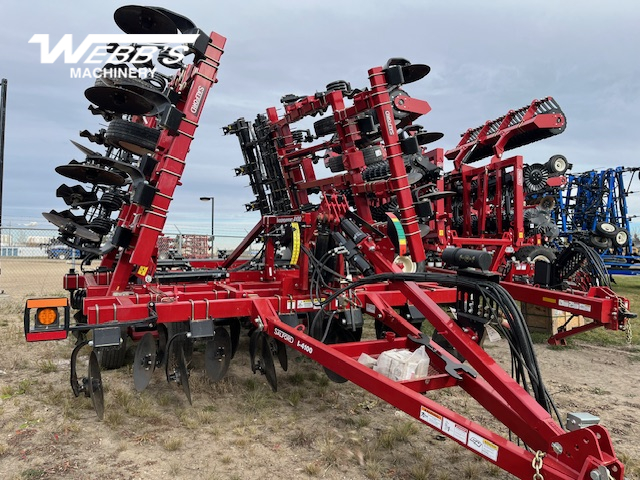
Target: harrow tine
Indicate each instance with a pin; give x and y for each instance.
(75, 384)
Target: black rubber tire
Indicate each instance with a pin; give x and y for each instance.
(606, 229)
(600, 242)
(557, 165)
(621, 238)
(535, 253)
(335, 164)
(372, 154)
(132, 137)
(113, 358)
(325, 126)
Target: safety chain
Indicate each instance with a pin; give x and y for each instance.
(537, 465)
(623, 309)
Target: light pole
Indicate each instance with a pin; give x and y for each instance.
(213, 203)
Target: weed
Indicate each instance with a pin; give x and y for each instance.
(4, 448)
(397, 434)
(329, 451)
(7, 391)
(226, 460)
(302, 438)
(374, 469)
(357, 421)
(32, 473)
(174, 469)
(24, 387)
(471, 470)
(422, 470)
(114, 418)
(294, 397)
(600, 391)
(172, 444)
(296, 378)
(312, 469)
(47, 366)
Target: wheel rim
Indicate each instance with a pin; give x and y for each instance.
(608, 227)
(622, 238)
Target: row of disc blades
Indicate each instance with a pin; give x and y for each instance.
(115, 96)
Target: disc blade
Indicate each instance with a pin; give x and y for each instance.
(337, 334)
(428, 137)
(235, 328)
(91, 174)
(433, 196)
(95, 385)
(414, 72)
(414, 176)
(118, 100)
(136, 19)
(282, 355)
(183, 372)
(144, 362)
(217, 354)
(268, 367)
(76, 196)
(83, 149)
(183, 23)
(253, 350)
(70, 227)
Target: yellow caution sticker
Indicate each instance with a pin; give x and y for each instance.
(142, 271)
(295, 248)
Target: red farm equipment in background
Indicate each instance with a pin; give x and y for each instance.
(348, 266)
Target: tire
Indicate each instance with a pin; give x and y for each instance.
(372, 155)
(621, 238)
(132, 137)
(606, 229)
(557, 165)
(600, 242)
(325, 126)
(114, 357)
(335, 164)
(535, 253)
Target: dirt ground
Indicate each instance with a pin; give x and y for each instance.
(239, 429)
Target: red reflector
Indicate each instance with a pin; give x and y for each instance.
(40, 336)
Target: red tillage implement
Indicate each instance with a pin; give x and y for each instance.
(339, 253)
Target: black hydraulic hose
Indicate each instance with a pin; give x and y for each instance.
(521, 340)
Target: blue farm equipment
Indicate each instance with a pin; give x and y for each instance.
(593, 207)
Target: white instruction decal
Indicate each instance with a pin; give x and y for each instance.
(431, 417)
(454, 430)
(370, 308)
(483, 446)
(492, 334)
(575, 305)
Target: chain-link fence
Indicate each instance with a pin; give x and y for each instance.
(33, 261)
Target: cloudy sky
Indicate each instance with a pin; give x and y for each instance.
(486, 58)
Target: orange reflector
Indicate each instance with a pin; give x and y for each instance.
(47, 302)
(47, 316)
